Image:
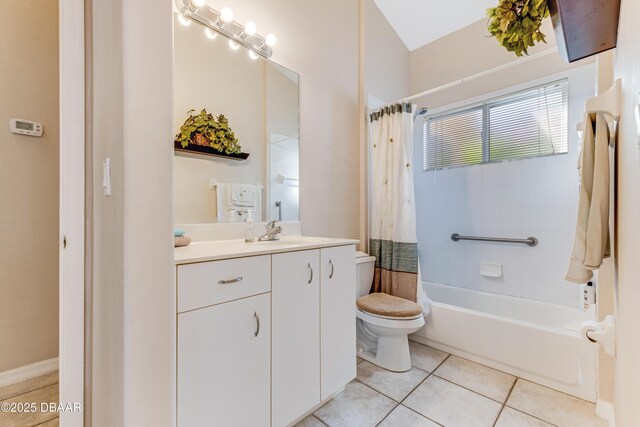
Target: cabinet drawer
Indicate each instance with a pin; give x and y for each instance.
(208, 283)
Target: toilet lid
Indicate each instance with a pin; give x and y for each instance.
(388, 306)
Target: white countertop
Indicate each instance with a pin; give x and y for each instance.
(224, 249)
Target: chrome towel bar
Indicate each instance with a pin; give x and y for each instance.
(531, 241)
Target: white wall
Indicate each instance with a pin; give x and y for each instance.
(386, 57)
(133, 309)
(521, 198)
(627, 375)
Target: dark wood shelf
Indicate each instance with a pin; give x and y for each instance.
(584, 27)
(208, 151)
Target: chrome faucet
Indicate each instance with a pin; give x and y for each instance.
(272, 231)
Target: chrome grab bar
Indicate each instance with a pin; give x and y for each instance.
(531, 241)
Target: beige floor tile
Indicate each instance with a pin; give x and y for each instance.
(553, 406)
(512, 418)
(424, 357)
(359, 360)
(22, 419)
(452, 405)
(404, 417)
(357, 406)
(310, 421)
(28, 385)
(479, 378)
(396, 385)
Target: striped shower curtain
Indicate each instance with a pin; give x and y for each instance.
(393, 238)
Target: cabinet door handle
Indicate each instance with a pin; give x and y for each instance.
(311, 273)
(230, 281)
(255, 314)
(332, 268)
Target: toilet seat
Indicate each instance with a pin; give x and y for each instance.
(390, 322)
(388, 306)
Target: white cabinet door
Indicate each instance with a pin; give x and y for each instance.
(296, 335)
(338, 318)
(223, 364)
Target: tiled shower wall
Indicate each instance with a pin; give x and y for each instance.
(532, 197)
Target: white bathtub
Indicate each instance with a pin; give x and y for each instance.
(530, 339)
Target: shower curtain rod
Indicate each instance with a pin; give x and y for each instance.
(480, 74)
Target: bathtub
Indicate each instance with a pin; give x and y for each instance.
(533, 340)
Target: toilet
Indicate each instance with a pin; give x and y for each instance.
(383, 321)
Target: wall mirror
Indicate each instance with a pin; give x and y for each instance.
(259, 101)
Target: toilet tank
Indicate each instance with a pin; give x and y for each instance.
(365, 265)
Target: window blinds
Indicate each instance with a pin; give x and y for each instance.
(529, 123)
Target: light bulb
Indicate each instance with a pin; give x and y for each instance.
(253, 55)
(270, 40)
(249, 28)
(198, 3)
(233, 45)
(226, 14)
(210, 34)
(184, 20)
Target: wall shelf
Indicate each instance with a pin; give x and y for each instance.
(208, 151)
(584, 27)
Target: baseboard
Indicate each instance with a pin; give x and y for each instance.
(605, 410)
(27, 372)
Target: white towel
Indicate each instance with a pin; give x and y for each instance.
(591, 244)
(236, 201)
(242, 195)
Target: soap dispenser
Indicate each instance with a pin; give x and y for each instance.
(249, 236)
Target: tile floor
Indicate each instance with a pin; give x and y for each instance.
(446, 390)
(36, 390)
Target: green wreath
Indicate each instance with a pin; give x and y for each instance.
(516, 23)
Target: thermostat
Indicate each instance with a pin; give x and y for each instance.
(25, 127)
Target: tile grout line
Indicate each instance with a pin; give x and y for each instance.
(505, 401)
(30, 391)
(389, 413)
(422, 382)
(319, 420)
(473, 391)
(377, 391)
(429, 374)
(416, 412)
(532, 416)
(399, 403)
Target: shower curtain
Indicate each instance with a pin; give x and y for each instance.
(393, 239)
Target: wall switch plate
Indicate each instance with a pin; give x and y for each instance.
(106, 176)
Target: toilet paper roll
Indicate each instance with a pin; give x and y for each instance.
(587, 326)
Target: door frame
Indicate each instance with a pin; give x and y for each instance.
(72, 208)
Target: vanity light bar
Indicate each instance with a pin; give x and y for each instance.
(222, 23)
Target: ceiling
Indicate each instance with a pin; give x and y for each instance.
(419, 22)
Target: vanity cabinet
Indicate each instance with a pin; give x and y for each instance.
(263, 340)
(296, 328)
(337, 314)
(223, 364)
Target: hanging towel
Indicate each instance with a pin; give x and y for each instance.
(591, 244)
(242, 195)
(393, 216)
(235, 201)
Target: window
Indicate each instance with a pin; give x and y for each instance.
(528, 123)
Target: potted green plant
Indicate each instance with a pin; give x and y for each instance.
(516, 23)
(203, 130)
